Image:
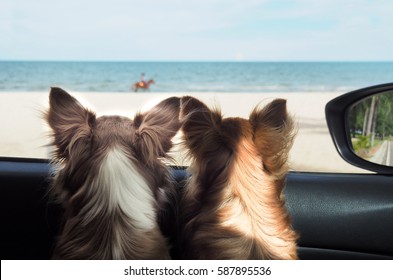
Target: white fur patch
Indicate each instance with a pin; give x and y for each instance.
(127, 189)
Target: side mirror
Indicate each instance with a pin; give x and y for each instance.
(361, 125)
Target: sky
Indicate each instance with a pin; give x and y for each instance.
(196, 30)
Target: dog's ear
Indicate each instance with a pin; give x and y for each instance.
(156, 128)
(198, 122)
(274, 132)
(68, 120)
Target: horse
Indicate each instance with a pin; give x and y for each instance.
(142, 85)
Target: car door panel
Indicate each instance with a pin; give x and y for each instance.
(344, 212)
(28, 220)
(338, 216)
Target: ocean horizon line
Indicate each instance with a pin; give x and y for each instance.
(197, 76)
(192, 61)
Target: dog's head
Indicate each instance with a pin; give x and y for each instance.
(83, 141)
(238, 174)
(214, 141)
(111, 180)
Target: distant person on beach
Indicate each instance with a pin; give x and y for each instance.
(142, 84)
(142, 80)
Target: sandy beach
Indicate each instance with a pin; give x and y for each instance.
(25, 134)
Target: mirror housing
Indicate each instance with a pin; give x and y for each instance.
(341, 110)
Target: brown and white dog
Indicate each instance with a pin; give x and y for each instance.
(233, 205)
(111, 181)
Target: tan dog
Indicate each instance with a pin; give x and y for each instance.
(111, 181)
(233, 206)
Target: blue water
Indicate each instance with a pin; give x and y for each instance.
(195, 76)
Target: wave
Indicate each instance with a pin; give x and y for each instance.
(194, 77)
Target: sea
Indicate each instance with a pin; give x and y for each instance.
(248, 77)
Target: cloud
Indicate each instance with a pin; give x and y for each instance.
(195, 30)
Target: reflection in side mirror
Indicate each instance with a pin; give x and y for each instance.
(370, 123)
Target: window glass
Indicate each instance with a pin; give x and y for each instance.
(236, 88)
(230, 54)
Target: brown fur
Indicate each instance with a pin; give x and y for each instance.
(92, 229)
(233, 206)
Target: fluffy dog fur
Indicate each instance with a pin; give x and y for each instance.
(111, 181)
(233, 206)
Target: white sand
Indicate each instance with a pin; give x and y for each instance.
(24, 133)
